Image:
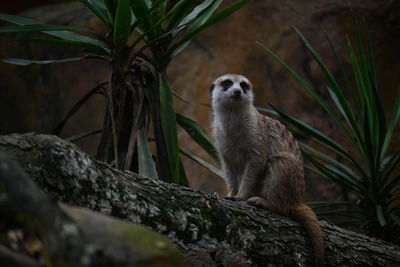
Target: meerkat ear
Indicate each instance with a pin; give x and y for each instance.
(212, 88)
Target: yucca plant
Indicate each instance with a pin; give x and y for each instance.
(143, 37)
(369, 174)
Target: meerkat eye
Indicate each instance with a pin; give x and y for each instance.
(226, 84)
(245, 86)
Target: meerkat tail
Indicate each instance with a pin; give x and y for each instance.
(307, 217)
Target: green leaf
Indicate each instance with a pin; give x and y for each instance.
(197, 15)
(339, 98)
(268, 111)
(372, 102)
(368, 148)
(332, 174)
(163, 7)
(25, 62)
(205, 21)
(395, 218)
(391, 185)
(146, 164)
(363, 72)
(148, 23)
(198, 135)
(54, 41)
(178, 12)
(76, 107)
(111, 8)
(202, 162)
(381, 217)
(341, 103)
(223, 14)
(387, 170)
(339, 177)
(16, 19)
(316, 135)
(342, 68)
(142, 13)
(379, 127)
(323, 157)
(97, 7)
(81, 136)
(367, 111)
(72, 36)
(182, 175)
(195, 28)
(371, 61)
(392, 125)
(122, 23)
(393, 202)
(88, 46)
(308, 87)
(168, 122)
(37, 28)
(66, 35)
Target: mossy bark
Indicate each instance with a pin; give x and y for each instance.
(75, 236)
(207, 230)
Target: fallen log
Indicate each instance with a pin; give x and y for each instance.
(208, 231)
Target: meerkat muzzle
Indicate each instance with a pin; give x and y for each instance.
(237, 94)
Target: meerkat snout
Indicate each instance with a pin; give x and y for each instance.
(237, 93)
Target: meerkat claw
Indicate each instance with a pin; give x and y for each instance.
(257, 201)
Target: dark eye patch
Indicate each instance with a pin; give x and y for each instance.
(226, 84)
(244, 86)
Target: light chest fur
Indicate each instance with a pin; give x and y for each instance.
(240, 134)
(235, 133)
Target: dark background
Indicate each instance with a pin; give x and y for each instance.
(36, 98)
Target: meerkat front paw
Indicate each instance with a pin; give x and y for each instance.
(258, 201)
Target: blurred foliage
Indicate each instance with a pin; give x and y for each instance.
(369, 173)
(143, 37)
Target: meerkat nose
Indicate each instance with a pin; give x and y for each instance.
(237, 93)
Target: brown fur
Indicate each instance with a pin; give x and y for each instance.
(261, 161)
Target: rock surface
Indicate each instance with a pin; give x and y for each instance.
(36, 98)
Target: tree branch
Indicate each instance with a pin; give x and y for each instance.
(207, 230)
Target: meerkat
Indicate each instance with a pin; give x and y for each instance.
(261, 161)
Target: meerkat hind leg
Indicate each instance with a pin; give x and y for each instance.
(284, 188)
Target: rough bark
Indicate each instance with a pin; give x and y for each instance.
(207, 230)
(75, 236)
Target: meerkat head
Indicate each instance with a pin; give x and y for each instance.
(231, 90)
